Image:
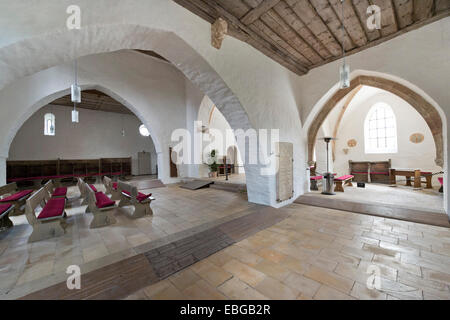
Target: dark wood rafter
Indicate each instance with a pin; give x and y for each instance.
(304, 34)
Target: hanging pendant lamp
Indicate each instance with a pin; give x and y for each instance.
(344, 70)
(75, 94)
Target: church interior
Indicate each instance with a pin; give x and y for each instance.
(215, 150)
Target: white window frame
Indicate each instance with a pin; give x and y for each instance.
(375, 121)
(49, 120)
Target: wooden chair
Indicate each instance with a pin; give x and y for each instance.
(59, 192)
(9, 194)
(101, 207)
(111, 188)
(50, 220)
(130, 196)
(341, 181)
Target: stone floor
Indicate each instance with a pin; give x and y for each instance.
(319, 253)
(28, 266)
(401, 196)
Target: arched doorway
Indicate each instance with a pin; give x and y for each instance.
(426, 109)
(108, 38)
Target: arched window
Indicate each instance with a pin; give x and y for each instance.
(49, 124)
(380, 130)
(143, 130)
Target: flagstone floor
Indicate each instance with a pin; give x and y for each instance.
(26, 267)
(319, 253)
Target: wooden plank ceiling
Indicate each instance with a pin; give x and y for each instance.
(94, 100)
(304, 34)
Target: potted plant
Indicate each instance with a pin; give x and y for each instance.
(212, 164)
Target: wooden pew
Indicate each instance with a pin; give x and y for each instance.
(111, 188)
(9, 194)
(50, 220)
(5, 210)
(341, 181)
(314, 182)
(130, 196)
(55, 192)
(101, 207)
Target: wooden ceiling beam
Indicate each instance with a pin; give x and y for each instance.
(307, 14)
(260, 27)
(257, 40)
(360, 7)
(423, 9)
(330, 18)
(289, 16)
(351, 22)
(276, 23)
(257, 12)
(405, 12)
(388, 22)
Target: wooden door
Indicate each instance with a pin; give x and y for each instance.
(173, 166)
(144, 163)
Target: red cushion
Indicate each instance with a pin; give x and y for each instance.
(60, 192)
(114, 185)
(441, 180)
(93, 187)
(140, 197)
(17, 196)
(4, 208)
(53, 208)
(344, 177)
(316, 178)
(103, 201)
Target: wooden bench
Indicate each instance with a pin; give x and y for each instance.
(111, 188)
(55, 192)
(101, 206)
(412, 173)
(341, 181)
(314, 180)
(5, 210)
(441, 181)
(130, 196)
(9, 194)
(50, 220)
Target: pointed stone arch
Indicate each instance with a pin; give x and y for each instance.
(417, 101)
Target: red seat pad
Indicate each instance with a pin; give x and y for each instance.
(441, 180)
(4, 208)
(114, 185)
(53, 208)
(93, 187)
(59, 192)
(344, 177)
(140, 197)
(17, 196)
(316, 178)
(103, 201)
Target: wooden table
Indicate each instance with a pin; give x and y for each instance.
(408, 173)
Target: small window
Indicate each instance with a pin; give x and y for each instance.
(143, 130)
(380, 130)
(49, 124)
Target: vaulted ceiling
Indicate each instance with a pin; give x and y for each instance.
(304, 34)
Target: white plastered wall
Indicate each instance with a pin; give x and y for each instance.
(235, 77)
(418, 60)
(409, 121)
(97, 135)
